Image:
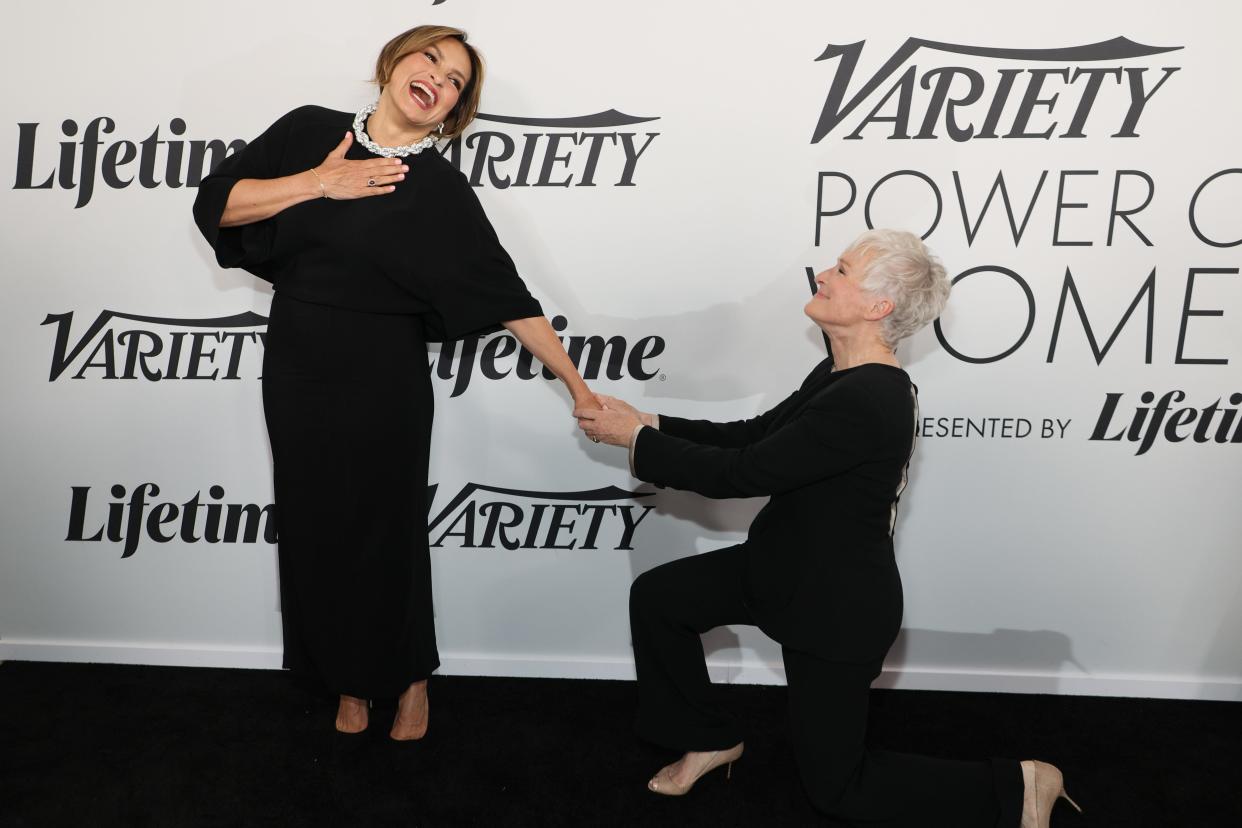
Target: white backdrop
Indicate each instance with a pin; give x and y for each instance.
(1045, 561)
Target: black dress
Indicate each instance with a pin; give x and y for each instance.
(360, 287)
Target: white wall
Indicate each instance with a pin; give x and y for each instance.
(1059, 564)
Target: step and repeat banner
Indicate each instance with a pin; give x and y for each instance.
(668, 177)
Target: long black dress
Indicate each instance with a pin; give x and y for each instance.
(360, 287)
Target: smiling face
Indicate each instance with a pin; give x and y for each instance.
(426, 84)
(840, 300)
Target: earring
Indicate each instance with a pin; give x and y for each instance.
(440, 128)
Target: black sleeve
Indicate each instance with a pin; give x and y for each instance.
(736, 433)
(833, 434)
(475, 286)
(247, 246)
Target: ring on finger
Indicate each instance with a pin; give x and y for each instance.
(594, 439)
(370, 182)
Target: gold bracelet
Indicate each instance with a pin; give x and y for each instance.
(320, 180)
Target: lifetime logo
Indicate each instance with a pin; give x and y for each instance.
(555, 152)
(180, 163)
(488, 517)
(502, 356)
(133, 516)
(1166, 420)
(964, 105)
(127, 346)
(478, 517)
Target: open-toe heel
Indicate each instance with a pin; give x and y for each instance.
(663, 782)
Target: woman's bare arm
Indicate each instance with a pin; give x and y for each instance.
(537, 336)
(256, 199)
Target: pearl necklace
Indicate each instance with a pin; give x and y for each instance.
(388, 152)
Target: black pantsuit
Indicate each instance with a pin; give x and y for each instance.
(673, 604)
(817, 574)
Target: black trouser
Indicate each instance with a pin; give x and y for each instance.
(673, 604)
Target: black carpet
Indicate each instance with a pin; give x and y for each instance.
(103, 745)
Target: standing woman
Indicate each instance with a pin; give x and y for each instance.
(817, 571)
(375, 245)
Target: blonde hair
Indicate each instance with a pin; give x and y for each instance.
(420, 37)
(906, 273)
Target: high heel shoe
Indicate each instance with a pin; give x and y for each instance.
(663, 782)
(1042, 786)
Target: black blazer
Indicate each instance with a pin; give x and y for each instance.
(820, 574)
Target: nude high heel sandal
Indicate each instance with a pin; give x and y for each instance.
(1042, 785)
(663, 782)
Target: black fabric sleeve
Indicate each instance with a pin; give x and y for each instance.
(247, 246)
(833, 434)
(734, 434)
(476, 286)
(737, 433)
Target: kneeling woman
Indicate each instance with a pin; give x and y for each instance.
(817, 571)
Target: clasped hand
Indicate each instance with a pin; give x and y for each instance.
(345, 179)
(612, 424)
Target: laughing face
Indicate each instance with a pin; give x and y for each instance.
(840, 298)
(425, 85)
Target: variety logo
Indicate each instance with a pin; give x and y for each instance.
(479, 517)
(552, 152)
(157, 348)
(487, 517)
(128, 346)
(964, 104)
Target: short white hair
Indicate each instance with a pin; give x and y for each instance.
(906, 273)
